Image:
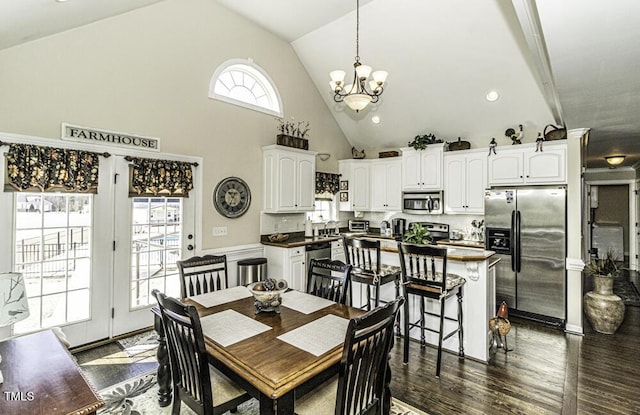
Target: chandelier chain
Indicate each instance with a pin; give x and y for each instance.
(357, 30)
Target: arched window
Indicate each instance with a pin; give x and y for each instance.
(242, 82)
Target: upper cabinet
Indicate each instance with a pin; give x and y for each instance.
(422, 169)
(465, 178)
(522, 164)
(386, 179)
(289, 177)
(356, 173)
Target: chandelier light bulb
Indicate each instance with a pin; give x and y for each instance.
(337, 76)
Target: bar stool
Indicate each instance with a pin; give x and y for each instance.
(423, 268)
(364, 256)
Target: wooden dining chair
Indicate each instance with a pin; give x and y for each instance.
(328, 279)
(424, 275)
(196, 383)
(200, 275)
(362, 384)
(367, 268)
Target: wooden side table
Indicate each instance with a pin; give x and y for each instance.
(42, 378)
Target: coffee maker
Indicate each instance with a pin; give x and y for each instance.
(398, 226)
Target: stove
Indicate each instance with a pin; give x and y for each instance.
(438, 231)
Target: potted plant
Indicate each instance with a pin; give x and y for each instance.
(293, 134)
(604, 309)
(420, 142)
(418, 235)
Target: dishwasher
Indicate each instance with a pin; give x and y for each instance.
(317, 250)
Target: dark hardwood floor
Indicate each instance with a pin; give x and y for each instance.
(548, 372)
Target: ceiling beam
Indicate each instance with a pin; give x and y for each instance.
(529, 19)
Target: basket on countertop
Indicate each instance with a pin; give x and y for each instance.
(278, 237)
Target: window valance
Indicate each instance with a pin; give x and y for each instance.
(154, 177)
(327, 183)
(48, 169)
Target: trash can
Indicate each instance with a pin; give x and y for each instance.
(252, 270)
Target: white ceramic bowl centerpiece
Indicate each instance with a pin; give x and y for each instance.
(267, 294)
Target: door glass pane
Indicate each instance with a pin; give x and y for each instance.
(53, 252)
(155, 248)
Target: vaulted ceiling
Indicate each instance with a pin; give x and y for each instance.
(570, 62)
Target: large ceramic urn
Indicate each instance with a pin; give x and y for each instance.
(604, 309)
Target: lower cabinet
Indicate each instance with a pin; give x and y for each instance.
(287, 263)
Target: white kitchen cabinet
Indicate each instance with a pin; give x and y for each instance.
(523, 165)
(289, 177)
(465, 179)
(356, 173)
(337, 251)
(287, 263)
(386, 179)
(422, 169)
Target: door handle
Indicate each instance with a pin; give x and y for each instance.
(513, 249)
(519, 245)
(189, 247)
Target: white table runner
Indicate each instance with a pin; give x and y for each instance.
(228, 327)
(319, 336)
(303, 302)
(222, 296)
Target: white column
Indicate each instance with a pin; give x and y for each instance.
(576, 143)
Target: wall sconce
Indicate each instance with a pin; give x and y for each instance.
(324, 156)
(614, 160)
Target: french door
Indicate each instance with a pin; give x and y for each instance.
(151, 234)
(57, 241)
(90, 261)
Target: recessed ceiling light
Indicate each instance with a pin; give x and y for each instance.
(375, 119)
(492, 96)
(61, 1)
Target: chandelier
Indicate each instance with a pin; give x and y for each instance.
(358, 94)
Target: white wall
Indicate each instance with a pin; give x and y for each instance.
(147, 72)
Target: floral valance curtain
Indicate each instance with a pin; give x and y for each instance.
(153, 177)
(327, 184)
(48, 169)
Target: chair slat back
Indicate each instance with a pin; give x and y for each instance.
(328, 279)
(200, 275)
(187, 352)
(424, 265)
(364, 370)
(362, 254)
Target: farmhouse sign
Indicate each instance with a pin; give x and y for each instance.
(96, 136)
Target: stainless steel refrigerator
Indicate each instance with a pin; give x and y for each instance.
(526, 227)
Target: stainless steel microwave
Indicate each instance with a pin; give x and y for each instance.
(422, 203)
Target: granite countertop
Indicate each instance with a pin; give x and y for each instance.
(462, 242)
(465, 254)
(298, 239)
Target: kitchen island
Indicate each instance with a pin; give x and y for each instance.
(478, 305)
(468, 260)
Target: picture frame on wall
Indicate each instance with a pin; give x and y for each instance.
(344, 185)
(344, 196)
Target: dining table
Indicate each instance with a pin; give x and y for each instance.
(275, 355)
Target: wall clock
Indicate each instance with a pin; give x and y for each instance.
(232, 197)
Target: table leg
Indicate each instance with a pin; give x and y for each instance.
(284, 405)
(164, 369)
